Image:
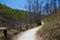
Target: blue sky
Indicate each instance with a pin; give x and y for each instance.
(15, 4)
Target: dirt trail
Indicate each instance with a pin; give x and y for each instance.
(29, 34)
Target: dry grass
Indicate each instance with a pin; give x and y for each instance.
(51, 28)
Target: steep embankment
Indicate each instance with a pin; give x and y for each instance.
(51, 28)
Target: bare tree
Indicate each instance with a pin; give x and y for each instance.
(58, 3)
(34, 6)
(29, 9)
(55, 5)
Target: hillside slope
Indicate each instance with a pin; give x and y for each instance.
(9, 16)
(51, 28)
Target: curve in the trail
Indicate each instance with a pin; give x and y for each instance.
(29, 34)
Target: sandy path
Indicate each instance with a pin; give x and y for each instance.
(29, 34)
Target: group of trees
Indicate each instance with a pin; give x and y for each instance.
(34, 13)
(42, 7)
(37, 9)
(9, 16)
(15, 19)
(51, 27)
(34, 6)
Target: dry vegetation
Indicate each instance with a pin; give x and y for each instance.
(51, 28)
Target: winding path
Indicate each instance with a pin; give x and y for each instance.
(29, 34)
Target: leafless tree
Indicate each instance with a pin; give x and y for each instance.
(58, 3)
(34, 6)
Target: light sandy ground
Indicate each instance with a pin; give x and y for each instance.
(29, 34)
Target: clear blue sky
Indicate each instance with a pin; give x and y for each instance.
(16, 4)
